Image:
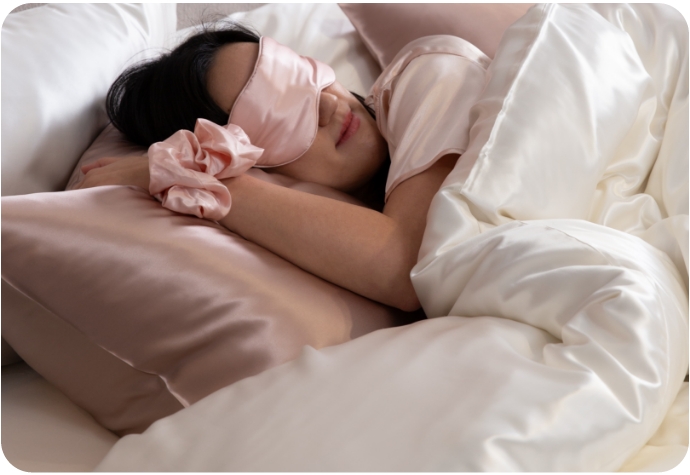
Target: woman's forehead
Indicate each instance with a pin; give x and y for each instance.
(229, 72)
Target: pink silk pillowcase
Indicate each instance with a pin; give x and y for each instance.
(135, 312)
(386, 27)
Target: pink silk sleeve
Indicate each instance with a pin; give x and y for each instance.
(423, 101)
(186, 168)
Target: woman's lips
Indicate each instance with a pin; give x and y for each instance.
(350, 127)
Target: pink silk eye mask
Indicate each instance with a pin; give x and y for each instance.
(278, 111)
(279, 106)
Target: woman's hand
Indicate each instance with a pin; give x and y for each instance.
(128, 170)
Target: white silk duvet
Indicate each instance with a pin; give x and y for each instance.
(554, 270)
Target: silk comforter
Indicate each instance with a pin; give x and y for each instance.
(554, 272)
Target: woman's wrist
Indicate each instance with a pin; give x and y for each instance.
(236, 185)
(240, 187)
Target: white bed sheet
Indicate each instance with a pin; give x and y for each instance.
(43, 431)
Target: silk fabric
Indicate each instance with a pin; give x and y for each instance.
(422, 102)
(279, 106)
(559, 337)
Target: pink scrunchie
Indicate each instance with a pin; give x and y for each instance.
(186, 168)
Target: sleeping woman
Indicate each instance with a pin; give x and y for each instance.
(226, 100)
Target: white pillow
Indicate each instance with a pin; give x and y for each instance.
(58, 62)
(320, 31)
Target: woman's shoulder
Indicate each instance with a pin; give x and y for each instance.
(423, 99)
(429, 48)
(416, 63)
(438, 45)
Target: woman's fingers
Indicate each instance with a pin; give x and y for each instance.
(130, 170)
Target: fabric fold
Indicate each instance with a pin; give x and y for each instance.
(187, 167)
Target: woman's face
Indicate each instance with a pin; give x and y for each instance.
(348, 148)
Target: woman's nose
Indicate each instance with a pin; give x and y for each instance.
(328, 103)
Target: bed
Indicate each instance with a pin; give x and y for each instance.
(553, 273)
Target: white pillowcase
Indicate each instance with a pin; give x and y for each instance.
(58, 62)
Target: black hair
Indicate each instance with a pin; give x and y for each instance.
(373, 193)
(152, 100)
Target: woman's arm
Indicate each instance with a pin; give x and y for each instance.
(357, 248)
(123, 170)
(360, 249)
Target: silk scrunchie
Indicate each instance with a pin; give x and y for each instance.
(187, 167)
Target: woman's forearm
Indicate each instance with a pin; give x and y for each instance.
(360, 249)
(355, 247)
